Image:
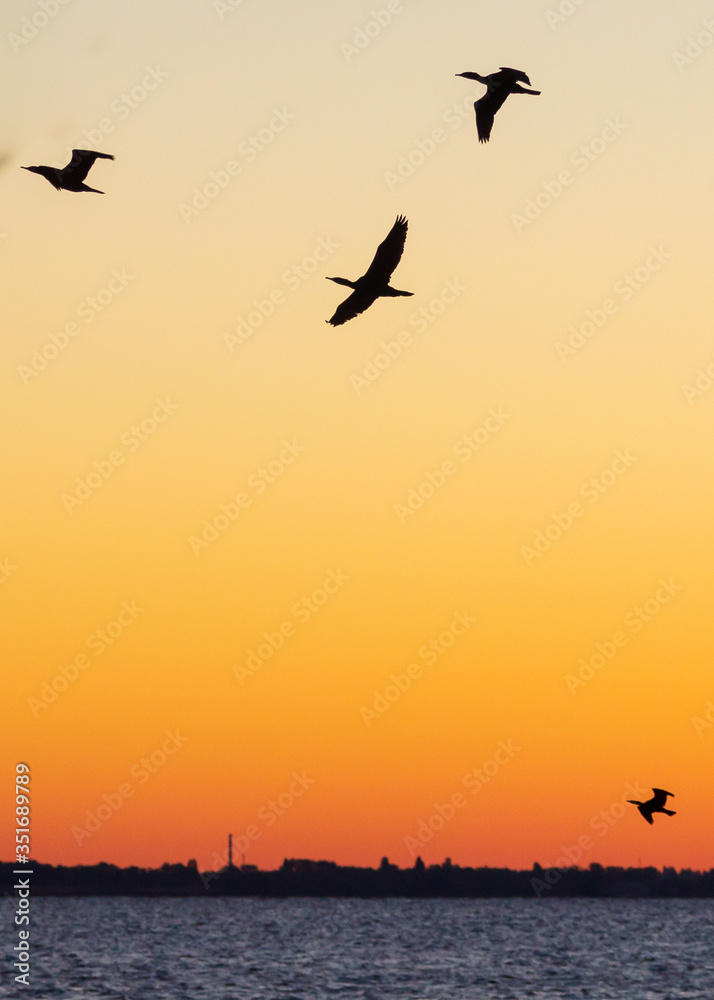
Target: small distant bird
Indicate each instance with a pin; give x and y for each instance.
(654, 805)
(499, 85)
(71, 177)
(375, 281)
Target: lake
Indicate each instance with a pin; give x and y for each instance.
(434, 949)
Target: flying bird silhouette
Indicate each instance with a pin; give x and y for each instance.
(71, 177)
(654, 805)
(375, 281)
(499, 85)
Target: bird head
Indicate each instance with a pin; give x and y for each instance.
(634, 802)
(50, 173)
(471, 76)
(342, 281)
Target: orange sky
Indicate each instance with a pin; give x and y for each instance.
(447, 566)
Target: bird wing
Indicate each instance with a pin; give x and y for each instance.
(660, 796)
(353, 305)
(516, 74)
(81, 163)
(389, 253)
(486, 109)
(644, 811)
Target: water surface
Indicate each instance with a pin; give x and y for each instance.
(406, 949)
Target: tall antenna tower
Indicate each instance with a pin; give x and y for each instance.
(230, 850)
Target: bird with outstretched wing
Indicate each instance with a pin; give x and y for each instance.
(375, 281)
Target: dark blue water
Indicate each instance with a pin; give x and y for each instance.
(141, 949)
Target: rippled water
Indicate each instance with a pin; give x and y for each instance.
(513, 949)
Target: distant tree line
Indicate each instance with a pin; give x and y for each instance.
(298, 877)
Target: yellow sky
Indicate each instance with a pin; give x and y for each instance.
(418, 528)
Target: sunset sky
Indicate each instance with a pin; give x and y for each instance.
(261, 574)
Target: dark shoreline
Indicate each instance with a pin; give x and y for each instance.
(298, 877)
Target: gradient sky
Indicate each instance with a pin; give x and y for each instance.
(591, 204)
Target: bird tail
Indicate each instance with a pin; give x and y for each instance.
(86, 187)
(670, 812)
